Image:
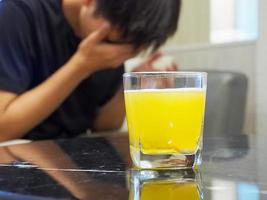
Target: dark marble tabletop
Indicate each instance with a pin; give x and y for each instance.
(234, 168)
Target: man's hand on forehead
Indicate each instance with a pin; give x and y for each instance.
(96, 52)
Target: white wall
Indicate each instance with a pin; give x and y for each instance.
(262, 69)
(261, 92)
(194, 25)
(239, 57)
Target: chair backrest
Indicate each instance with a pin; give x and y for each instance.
(226, 103)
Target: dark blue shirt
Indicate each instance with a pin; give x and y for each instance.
(35, 41)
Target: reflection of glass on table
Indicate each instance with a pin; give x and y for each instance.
(165, 118)
(167, 185)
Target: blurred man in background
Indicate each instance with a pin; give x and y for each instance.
(61, 61)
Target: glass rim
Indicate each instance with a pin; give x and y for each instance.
(165, 73)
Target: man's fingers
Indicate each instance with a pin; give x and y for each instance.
(121, 48)
(154, 57)
(101, 33)
(174, 66)
(117, 53)
(98, 35)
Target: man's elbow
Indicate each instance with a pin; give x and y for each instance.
(117, 124)
(111, 125)
(8, 131)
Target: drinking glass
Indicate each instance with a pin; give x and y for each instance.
(165, 117)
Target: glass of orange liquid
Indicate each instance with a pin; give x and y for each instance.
(167, 185)
(165, 116)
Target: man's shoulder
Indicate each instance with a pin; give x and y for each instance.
(32, 6)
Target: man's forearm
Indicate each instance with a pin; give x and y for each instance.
(112, 114)
(31, 108)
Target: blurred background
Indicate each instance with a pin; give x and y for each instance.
(226, 36)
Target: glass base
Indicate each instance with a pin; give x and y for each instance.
(165, 161)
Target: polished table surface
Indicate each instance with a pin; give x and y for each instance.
(234, 168)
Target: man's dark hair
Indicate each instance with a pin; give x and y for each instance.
(144, 22)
